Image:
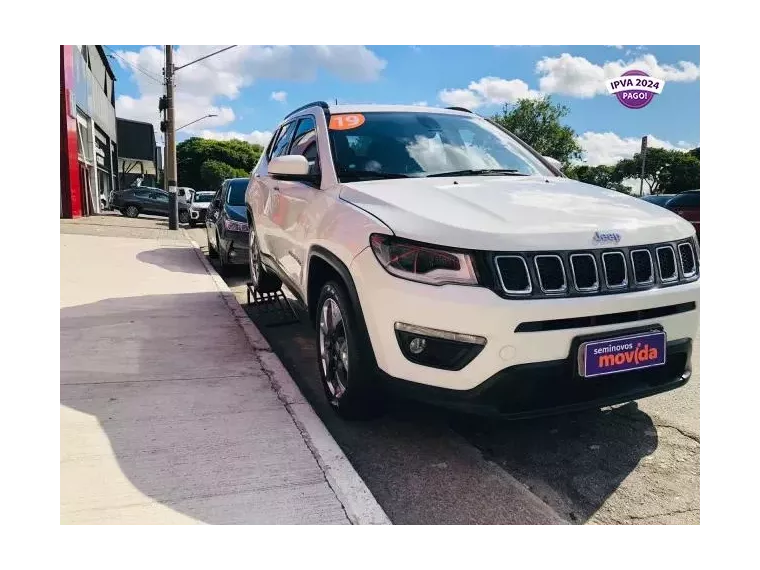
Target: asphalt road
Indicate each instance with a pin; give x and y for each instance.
(634, 464)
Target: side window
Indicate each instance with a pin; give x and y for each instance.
(305, 142)
(283, 142)
(159, 197)
(142, 194)
(272, 141)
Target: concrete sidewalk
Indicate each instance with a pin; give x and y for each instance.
(169, 415)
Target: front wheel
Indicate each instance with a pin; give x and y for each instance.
(212, 251)
(347, 376)
(184, 217)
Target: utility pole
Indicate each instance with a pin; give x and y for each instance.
(170, 169)
(643, 164)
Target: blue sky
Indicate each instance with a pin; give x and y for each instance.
(251, 88)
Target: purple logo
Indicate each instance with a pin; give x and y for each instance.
(598, 358)
(635, 89)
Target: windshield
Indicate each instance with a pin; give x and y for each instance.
(203, 197)
(398, 145)
(236, 194)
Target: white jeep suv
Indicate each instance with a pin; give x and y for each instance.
(440, 256)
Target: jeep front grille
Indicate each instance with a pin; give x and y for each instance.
(539, 274)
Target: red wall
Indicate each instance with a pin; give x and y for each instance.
(71, 195)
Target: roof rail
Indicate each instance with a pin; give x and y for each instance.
(312, 104)
(459, 109)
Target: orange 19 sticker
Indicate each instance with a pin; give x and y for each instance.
(346, 122)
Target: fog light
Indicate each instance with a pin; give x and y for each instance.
(417, 345)
(436, 348)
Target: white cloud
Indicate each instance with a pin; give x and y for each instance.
(280, 96)
(254, 137)
(488, 91)
(199, 86)
(609, 148)
(460, 98)
(420, 104)
(497, 90)
(577, 76)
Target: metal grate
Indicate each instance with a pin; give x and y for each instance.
(615, 273)
(643, 268)
(551, 273)
(513, 274)
(585, 273)
(688, 260)
(666, 262)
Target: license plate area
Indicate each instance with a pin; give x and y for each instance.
(621, 351)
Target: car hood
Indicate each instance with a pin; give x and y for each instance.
(236, 213)
(512, 213)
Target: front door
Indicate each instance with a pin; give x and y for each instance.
(292, 201)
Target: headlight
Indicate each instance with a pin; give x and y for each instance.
(233, 226)
(423, 263)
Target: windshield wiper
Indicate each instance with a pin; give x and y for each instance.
(479, 172)
(372, 174)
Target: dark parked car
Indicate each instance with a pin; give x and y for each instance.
(132, 202)
(685, 204)
(227, 224)
(659, 199)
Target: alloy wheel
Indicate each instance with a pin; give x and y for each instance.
(333, 348)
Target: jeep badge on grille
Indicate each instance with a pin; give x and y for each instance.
(606, 237)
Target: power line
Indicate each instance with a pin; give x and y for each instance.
(134, 66)
(204, 57)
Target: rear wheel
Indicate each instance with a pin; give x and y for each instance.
(263, 281)
(347, 376)
(132, 211)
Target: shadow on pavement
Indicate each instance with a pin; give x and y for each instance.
(192, 433)
(172, 259)
(430, 466)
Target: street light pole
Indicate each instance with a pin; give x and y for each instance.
(195, 121)
(171, 152)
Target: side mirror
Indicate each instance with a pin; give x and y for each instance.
(295, 166)
(554, 162)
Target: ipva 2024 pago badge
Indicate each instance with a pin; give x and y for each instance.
(635, 89)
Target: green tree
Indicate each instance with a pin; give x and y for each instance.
(666, 171)
(214, 172)
(601, 175)
(538, 123)
(194, 153)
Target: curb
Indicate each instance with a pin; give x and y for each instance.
(360, 505)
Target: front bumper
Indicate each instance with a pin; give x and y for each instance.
(198, 215)
(235, 247)
(386, 300)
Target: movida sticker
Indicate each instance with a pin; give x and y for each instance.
(635, 89)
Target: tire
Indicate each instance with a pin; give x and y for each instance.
(184, 217)
(131, 211)
(344, 365)
(224, 268)
(263, 281)
(212, 252)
